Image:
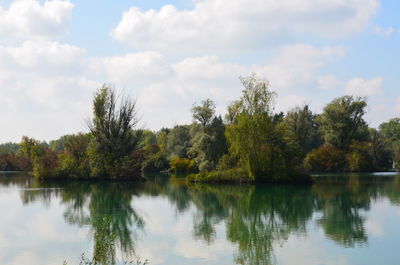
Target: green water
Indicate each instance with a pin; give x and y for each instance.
(340, 220)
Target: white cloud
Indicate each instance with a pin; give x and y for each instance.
(309, 251)
(28, 19)
(132, 68)
(224, 25)
(288, 102)
(41, 57)
(361, 87)
(50, 83)
(44, 90)
(196, 78)
(386, 32)
(56, 82)
(374, 227)
(297, 63)
(328, 82)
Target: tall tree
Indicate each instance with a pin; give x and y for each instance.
(257, 138)
(204, 113)
(343, 121)
(391, 132)
(178, 142)
(209, 144)
(300, 121)
(112, 128)
(391, 129)
(380, 151)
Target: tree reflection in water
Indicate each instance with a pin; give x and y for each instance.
(257, 218)
(88, 204)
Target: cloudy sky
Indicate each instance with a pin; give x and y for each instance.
(169, 54)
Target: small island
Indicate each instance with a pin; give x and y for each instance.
(252, 143)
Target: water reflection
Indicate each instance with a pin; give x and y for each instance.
(88, 204)
(256, 218)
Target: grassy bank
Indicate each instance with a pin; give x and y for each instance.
(235, 175)
(238, 175)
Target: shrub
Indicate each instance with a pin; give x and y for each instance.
(227, 161)
(326, 158)
(235, 175)
(9, 162)
(182, 165)
(45, 166)
(359, 157)
(155, 163)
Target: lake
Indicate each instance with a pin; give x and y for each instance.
(341, 220)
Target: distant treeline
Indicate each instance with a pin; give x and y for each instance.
(251, 143)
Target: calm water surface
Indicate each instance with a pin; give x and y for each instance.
(353, 219)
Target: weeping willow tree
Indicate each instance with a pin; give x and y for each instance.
(113, 151)
(265, 149)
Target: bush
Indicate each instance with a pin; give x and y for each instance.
(9, 162)
(326, 158)
(155, 163)
(182, 165)
(360, 158)
(235, 175)
(45, 166)
(71, 168)
(227, 161)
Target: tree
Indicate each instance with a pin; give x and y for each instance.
(391, 132)
(208, 140)
(148, 138)
(300, 121)
(359, 157)
(9, 148)
(114, 138)
(380, 151)
(204, 113)
(74, 161)
(178, 142)
(209, 144)
(326, 158)
(233, 111)
(264, 149)
(29, 150)
(391, 129)
(343, 121)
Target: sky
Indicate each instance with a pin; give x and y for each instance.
(169, 55)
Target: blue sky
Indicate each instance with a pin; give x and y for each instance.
(170, 54)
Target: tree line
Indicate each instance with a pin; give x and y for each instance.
(252, 142)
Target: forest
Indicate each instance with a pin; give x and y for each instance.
(251, 142)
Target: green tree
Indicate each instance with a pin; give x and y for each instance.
(74, 161)
(114, 139)
(148, 138)
(326, 158)
(233, 111)
(178, 142)
(391, 132)
(300, 121)
(343, 121)
(265, 150)
(391, 129)
(204, 113)
(29, 150)
(359, 157)
(9, 148)
(208, 138)
(380, 151)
